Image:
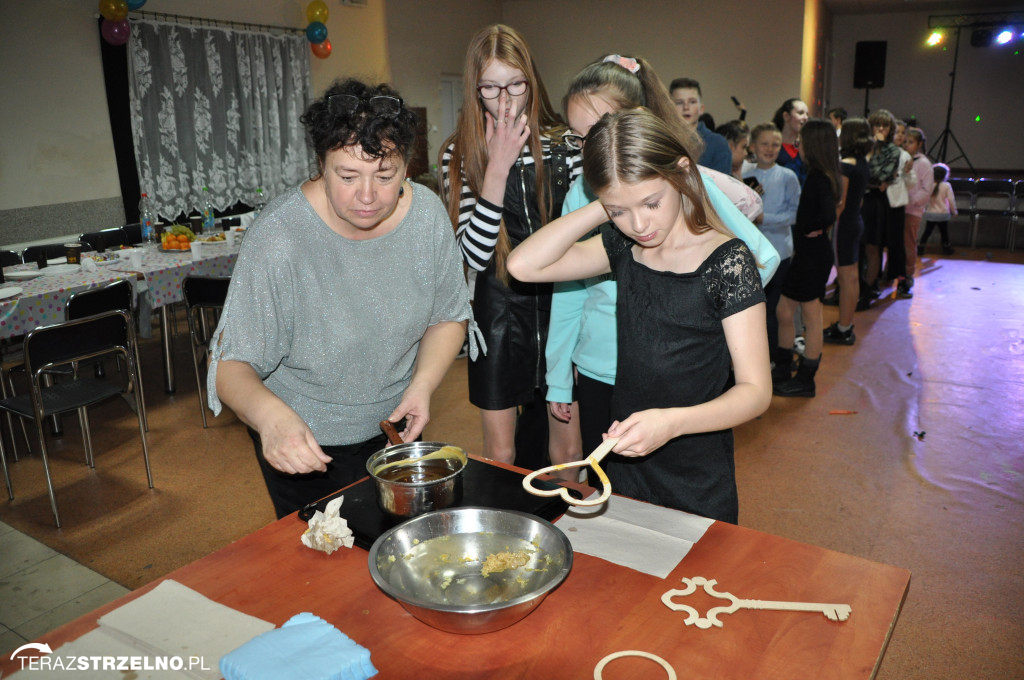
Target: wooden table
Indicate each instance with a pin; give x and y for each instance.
(601, 608)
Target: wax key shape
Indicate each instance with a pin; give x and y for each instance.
(833, 612)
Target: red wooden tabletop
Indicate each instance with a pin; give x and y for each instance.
(601, 608)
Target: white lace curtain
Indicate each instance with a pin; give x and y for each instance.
(217, 108)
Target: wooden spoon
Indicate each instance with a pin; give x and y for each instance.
(592, 461)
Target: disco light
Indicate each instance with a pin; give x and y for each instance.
(1004, 37)
(935, 38)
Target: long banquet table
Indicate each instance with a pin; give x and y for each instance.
(601, 608)
(42, 299)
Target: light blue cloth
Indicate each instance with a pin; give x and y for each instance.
(582, 331)
(305, 648)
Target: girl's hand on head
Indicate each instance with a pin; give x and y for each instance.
(641, 433)
(505, 134)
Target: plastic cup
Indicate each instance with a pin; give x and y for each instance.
(73, 252)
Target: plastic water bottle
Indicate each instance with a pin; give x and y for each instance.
(257, 208)
(147, 219)
(208, 217)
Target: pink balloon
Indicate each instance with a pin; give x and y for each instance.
(115, 32)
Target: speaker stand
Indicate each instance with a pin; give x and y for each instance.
(867, 91)
(941, 142)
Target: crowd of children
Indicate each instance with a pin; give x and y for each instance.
(625, 283)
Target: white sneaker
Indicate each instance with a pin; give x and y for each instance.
(798, 345)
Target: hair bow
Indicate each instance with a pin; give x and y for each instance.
(628, 63)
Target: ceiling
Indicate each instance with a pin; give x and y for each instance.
(938, 6)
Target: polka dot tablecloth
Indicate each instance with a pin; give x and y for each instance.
(42, 299)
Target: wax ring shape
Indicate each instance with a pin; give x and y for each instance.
(599, 668)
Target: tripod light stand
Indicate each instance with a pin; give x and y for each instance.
(941, 142)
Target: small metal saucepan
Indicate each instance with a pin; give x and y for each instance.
(416, 477)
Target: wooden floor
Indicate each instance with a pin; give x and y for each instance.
(928, 474)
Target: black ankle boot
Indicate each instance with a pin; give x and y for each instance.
(783, 370)
(802, 384)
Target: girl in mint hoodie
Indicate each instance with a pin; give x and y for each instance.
(581, 347)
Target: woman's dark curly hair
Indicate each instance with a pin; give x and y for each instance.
(330, 126)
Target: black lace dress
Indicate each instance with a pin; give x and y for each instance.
(672, 352)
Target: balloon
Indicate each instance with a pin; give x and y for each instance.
(316, 32)
(113, 10)
(115, 32)
(135, 4)
(317, 11)
(322, 50)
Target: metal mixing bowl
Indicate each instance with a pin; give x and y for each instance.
(432, 565)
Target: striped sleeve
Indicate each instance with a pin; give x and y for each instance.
(479, 219)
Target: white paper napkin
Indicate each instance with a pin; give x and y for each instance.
(648, 538)
(172, 620)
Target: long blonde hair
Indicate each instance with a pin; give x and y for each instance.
(469, 141)
(634, 146)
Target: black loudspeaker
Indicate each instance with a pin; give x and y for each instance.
(869, 64)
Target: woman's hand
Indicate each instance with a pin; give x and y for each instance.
(289, 446)
(562, 412)
(505, 134)
(642, 432)
(415, 408)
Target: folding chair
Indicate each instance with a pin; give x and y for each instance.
(9, 258)
(105, 238)
(1018, 211)
(132, 233)
(110, 296)
(992, 198)
(52, 250)
(202, 293)
(64, 344)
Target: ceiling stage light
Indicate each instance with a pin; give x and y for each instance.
(935, 38)
(1004, 37)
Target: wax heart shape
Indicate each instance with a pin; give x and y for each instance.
(592, 461)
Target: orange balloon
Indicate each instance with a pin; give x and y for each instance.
(317, 11)
(114, 10)
(322, 50)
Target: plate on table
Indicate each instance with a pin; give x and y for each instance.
(102, 259)
(9, 292)
(23, 274)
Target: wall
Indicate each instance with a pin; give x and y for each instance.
(57, 168)
(723, 44)
(421, 55)
(988, 84)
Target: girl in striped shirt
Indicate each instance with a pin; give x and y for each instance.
(497, 194)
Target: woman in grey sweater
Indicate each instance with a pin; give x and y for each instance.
(347, 304)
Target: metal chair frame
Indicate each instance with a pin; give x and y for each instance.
(105, 238)
(67, 344)
(998, 193)
(202, 293)
(111, 296)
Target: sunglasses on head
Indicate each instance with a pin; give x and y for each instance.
(381, 105)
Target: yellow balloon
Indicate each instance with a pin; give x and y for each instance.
(317, 11)
(114, 10)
